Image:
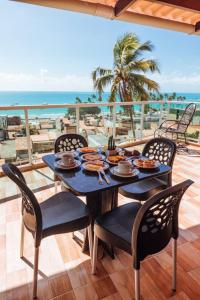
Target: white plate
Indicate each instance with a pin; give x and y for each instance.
(63, 167)
(84, 165)
(101, 157)
(59, 155)
(115, 171)
(157, 164)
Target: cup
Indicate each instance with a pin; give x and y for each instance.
(125, 167)
(68, 158)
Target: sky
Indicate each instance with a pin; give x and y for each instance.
(44, 49)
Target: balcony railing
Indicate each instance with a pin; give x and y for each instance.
(34, 129)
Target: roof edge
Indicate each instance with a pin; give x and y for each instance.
(108, 12)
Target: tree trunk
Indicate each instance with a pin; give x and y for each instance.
(127, 98)
(132, 120)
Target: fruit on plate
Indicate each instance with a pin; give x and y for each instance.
(115, 158)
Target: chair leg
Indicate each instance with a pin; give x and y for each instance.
(22, 240)
(137, 284)
(185, 138)
(35, 272)
(174, 257)
(94, 255)
(56, 187)
(89, 229)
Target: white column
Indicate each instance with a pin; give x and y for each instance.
(114, 120)
(161, 113)
(168, 109)
(142, 121)
(77, 119)
(28, 136)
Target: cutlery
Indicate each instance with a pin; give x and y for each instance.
(105, 177)
(100, 177)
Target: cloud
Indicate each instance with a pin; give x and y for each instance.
(44, 81)
(177, 81)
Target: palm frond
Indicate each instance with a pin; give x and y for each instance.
(98, 72)
(101, 78)
(142, 80)
(139, 51)
(124, 47)
(143, 66)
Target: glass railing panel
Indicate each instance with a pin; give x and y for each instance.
(46, 126)
(128, 124)
(96, 124)
(153, 115)
(13, 141)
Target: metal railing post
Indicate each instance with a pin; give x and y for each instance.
(142, 121)
(198, 141)
(114, 120)
(161, 113)
(28, 136)
(168, 109)
(77, 119)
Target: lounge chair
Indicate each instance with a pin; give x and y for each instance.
(177, 127)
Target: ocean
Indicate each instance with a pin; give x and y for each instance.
(39, 98)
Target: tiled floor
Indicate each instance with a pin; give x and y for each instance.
(65, 272)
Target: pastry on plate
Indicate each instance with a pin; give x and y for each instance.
(92, 157)
(115, 158)
(87, 150)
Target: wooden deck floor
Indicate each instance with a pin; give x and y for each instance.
(65, 272)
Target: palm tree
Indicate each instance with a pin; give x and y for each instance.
(173, 95)
(78, 100)
(127, 78)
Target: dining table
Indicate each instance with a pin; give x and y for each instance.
(100, 198)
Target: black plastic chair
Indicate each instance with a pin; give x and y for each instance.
(162, 150)
(177, 127)
(142, 230)
(68, 142)
(61, 213)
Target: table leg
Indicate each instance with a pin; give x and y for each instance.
(98, 204)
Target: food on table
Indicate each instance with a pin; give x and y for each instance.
(145, 163)
(115, 158)
(97, 162)
(92, 157)
(131, 153)
(95, 165)
(87, 150)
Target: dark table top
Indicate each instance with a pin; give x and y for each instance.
(85, 182)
